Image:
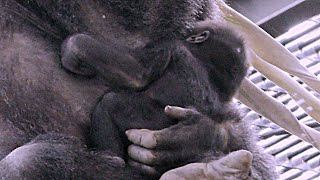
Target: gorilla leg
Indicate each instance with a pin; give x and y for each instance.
(54, 156)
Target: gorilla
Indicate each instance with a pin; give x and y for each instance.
(45, 111)
(202, 72)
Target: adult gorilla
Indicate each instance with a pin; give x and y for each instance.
(44, 110)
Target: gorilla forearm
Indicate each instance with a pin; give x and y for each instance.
(62, 157)
(84, 55)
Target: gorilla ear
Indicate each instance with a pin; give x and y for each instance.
(199, 38)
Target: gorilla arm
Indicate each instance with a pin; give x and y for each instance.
(84, 55)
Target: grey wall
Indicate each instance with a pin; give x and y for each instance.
(259, 11)
(277, 16)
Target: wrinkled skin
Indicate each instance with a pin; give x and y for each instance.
(44, 110)
(234, 166)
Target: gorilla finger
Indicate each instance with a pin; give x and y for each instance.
(145, 169)
(236, 165)
(157, 139)
(142, 137)
(190, 171)
(176, 136)
(141, 154)
(179, 112)
(240, 160)
(158, 158)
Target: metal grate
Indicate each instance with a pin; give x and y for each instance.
(295, 159)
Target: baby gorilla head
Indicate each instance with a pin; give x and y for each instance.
(222, 52)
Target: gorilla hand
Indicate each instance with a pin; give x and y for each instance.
(191, 140)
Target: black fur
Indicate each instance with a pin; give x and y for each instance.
(44, 111)
(204, 72)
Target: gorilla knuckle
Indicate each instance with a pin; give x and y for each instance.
(143, 137)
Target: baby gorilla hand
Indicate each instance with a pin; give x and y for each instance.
(188, 141)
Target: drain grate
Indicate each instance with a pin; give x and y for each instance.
(296, 159)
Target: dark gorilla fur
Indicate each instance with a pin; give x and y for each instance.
(45, 112)
(203, 71)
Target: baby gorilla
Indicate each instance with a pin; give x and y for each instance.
(203, 72)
